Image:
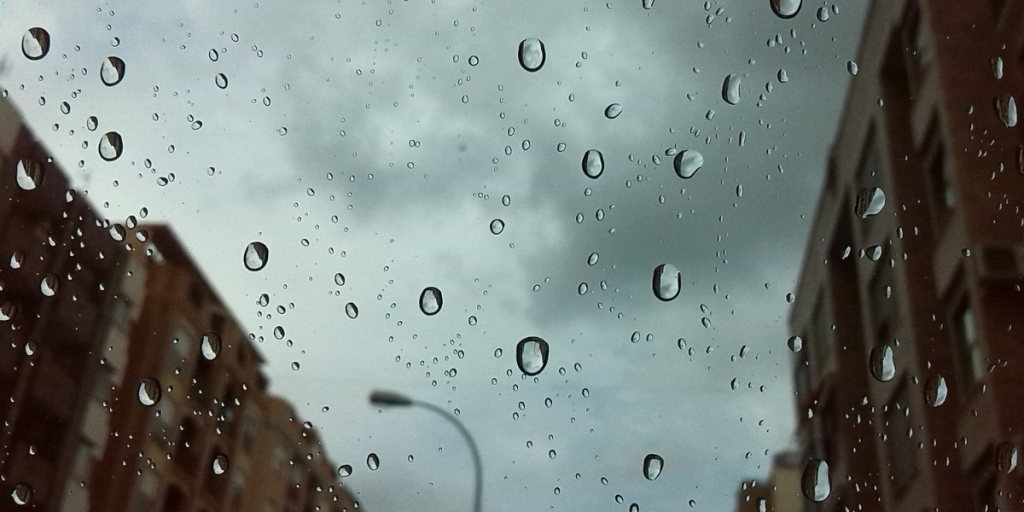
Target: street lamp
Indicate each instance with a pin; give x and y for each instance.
(386, 398)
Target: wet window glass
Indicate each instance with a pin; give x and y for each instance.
(635, 255)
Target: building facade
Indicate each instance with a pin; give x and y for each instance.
(909, 302)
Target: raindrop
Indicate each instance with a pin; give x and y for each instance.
(783, 76)
(592, 260)
(295, 366)
(531, 54)
(111, 146)
(667, 282)
(687, 163)
(786, 9)
(795, 343)
(815, 481)
(506, 200)
(372, 461)
(210, 345)
(822, 14)
(472, 320)
(497, 226)
(612, 111)
(351, 310)
(65, 108)
(935, 391)
(92, 123)
(49, 285)
(29, 174)
(731, 89)
(263, 300)
(112, 71)
(344, 470)
(221, 80)
(851, 67)
(653, 464)
(997, 67)
(339, 279)
(279, 331)
(214, 55)
(532, 355)
(35, 44)
(1006, 457)
(552, 454)
(256, 256)
(1006, 107)
(149, 392)
(593, 163)
(583, 288)
(220, 464)
(474, 60)
(883, 367)
(431, 301)
(870, 201)
(22, 492)
(681, 343)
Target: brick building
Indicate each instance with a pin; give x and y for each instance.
(909, 301)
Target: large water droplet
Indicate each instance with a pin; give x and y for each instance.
(531, 54)
(1006, 107)
(210, 345)
(112, 71)
(822, 14)
(111, 146)
(532, 355)
(783, 76)
(687, 163)
(92, 123)
(935, 391)
(351, 310)
(870, 201)
(497, 226)
(256, 256)
(592, 259)
(653, 464)
(149, 392)
(786, 9)
(29, 174)
(852, 68)
(612, 111)
(647, 4)
(339, 279)
(1006, 457)
(22, 494)
(667, 282)
(372, 461)
(883, 367)
(220, 464)
(35, 44)
(221, 80)
(795, 343)
(593, 163)
(731, 89)
(815, 481)
(344, 470)
(48, 286)
(431, 301)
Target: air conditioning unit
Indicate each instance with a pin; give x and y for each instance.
(1000, 262)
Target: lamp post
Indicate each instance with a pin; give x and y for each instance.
(384, 398)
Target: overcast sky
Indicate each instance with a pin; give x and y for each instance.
(354, 84)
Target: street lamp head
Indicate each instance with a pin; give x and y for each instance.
(389, 398)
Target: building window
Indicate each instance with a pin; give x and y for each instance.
(970, 364)
(821, 337)
(900, 451)
(938, 175)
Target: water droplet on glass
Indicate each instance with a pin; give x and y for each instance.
(65, 108)
(531, 54)
(783, 76)
(532, 355)
(552, 454)
(653, 465)
(592, 260)
(295, 366)
(882, 365)
(149, 392)
(210, 345)
(279, 331)
(997, 67)
(935, 391)
(474, 60)
(372, 461)
(815, 480)
(583, 289)
(263, 300)
(339, 279)
(731, 89)
(786, 9)
(822, 14)
(214, 55)
(48, 286)
(351, 310)
(92, 123)
(21, 494)
(687, 163)
(256, 256)
(112, 71)
(612, 111)
(111, 146)
(667, 282)
(1006, 107)
(220, 464)
(497, 226)
(431, 301)
(221, 80)
(1006, 457)
(35, 44)
(593, 163)
(29, 174)
(344, 470)
(870, 201)
(851, 67)
(795, 343)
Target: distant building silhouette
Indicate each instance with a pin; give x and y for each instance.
(779, 493)
(910, 307)
(131, 386)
